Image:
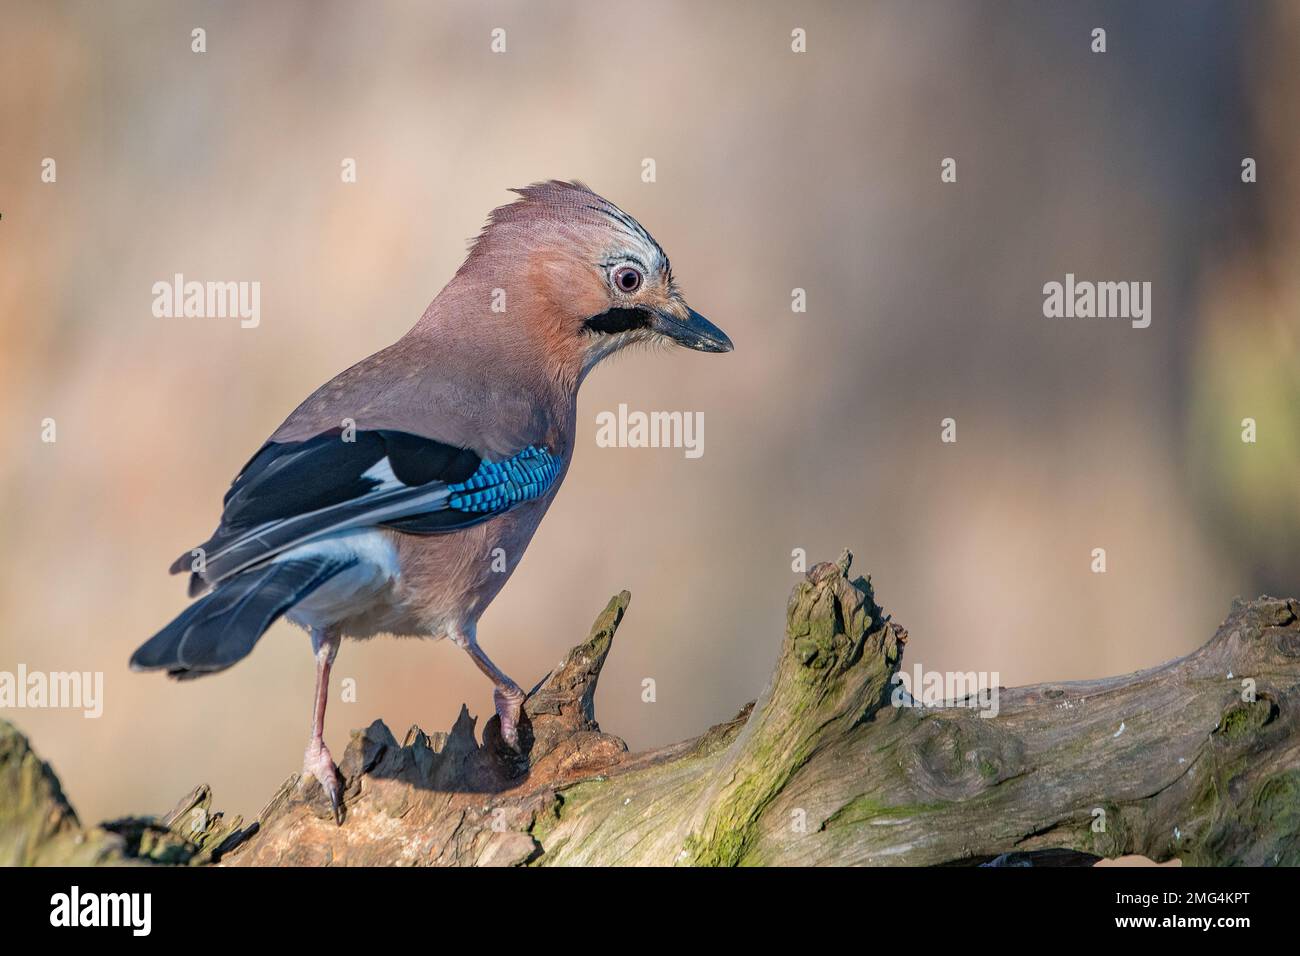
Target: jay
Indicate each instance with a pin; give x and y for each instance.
(383, 502)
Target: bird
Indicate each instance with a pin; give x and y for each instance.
(400, 496)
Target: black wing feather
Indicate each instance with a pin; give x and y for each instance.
(292, 478)
(292, 491)
(418, 461)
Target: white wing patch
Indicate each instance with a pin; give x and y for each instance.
(382, 472)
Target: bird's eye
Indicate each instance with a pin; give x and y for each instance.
(627, 279)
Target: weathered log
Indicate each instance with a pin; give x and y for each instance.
(1197, 759)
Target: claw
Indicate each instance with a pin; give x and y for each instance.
(318, 763)
(509, 707)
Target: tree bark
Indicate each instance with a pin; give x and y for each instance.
(1197, 759)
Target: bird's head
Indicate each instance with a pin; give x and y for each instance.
(587, 278)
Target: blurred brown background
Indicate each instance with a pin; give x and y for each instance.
(775, 171)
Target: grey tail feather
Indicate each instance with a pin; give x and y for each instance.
(221, 628)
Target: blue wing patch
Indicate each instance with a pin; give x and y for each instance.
(499, 485)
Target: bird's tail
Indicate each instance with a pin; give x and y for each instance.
(221, 628)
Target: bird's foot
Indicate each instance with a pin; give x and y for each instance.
(509, 704)
(318, 763)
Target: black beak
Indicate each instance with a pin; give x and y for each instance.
(694, 332)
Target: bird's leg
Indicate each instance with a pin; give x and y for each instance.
(317, 760)
(507, 696)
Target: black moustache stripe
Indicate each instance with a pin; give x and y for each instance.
(618, 320)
